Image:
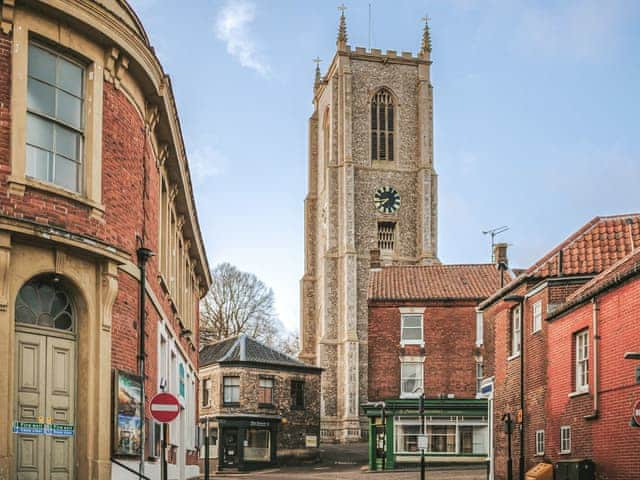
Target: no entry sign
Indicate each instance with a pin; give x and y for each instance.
(164, 407)
(636, 412)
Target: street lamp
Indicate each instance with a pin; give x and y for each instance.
(422, 429)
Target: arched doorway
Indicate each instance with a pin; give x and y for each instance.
(45, 380)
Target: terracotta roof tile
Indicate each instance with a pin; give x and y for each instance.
(595, 247)
(421, 282)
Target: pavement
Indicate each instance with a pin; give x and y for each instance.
(349, 462)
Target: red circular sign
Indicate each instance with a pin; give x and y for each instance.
(164, 407)
(636, 412)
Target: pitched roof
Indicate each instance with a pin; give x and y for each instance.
(617, 273)
(242, 348)
(438, 282)
(592, 249)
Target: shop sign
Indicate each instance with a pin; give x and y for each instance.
(311, 441)
(258, 424)
(127, 416)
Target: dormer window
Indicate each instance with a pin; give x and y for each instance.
(382, 126)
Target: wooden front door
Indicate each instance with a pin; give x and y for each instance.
(45, 394)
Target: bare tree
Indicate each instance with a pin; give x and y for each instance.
(238, 302)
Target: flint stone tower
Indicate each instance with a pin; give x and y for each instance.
(372, 192)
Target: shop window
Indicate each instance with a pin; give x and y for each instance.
(448, 435)
(441, 438)
(407, 436)
(231, 390)
(54, 118)
(411, 329)
(297, 394)
(265, 391)
(213, 442)
(258, 445)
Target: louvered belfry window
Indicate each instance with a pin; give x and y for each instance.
(382, 126)
(386, 235)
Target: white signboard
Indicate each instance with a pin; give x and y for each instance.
(311, 441)
(422, 442)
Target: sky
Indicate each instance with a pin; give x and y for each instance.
(536, 117)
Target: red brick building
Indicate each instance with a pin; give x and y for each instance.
(515, 318)
(594, 387)
(422, 338)
(93, 177)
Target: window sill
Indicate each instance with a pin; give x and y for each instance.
(513, 357)
(578, 393)
(418, 343)
(410, 395)
(565, 453)
(297, 408)
(266, 405)
(536, 331)
(539, 454)
(17, 186)
(231, 405)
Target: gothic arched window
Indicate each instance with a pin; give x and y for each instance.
(42, 302)
(382, 126)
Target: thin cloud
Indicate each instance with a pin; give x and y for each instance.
(205, 162)
(232, 26)
(585, 30)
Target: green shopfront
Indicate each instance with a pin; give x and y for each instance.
(451, 431)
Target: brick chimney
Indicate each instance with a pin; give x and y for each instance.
(500, 255)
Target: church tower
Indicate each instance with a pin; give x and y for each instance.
(372, 191)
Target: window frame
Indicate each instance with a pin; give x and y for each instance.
(262, 389)
(55, 120)
(206, 392)
(479, 374)
(516, 333)
(293, 397)
(565, 429)
(405, 316)
(77, 48)
(539, 443)
(376, 132)
(479, 328)
(420, 377)
(536, 316)
(225, 387)
(581, 365)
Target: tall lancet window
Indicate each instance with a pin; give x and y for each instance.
(382, 126)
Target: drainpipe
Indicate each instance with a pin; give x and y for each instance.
(596, 344)
(143, 255)
(519, 299)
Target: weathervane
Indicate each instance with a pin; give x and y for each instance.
(342, 8)
(426, 18)
(317, 61)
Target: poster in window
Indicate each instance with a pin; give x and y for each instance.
(127, 414)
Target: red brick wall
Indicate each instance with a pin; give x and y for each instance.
(449, 334)
(608, 440)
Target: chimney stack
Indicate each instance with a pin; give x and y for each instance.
(500, 255)
(374, 256)
(500, 259)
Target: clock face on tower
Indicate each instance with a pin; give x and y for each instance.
(387, 199)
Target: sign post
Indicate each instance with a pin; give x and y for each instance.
(164, 409)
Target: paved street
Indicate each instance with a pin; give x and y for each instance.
(347, 462)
